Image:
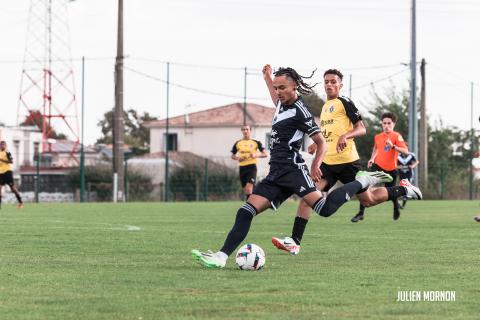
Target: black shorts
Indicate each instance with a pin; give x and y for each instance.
(405, 175)
(344, 172)
(6, 178)
(248, 174)
(393, 173)
(282, 181)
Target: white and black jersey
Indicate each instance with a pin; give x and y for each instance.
(290, 124)
(404, 161)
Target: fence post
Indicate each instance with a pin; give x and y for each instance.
(442, 179)
(205, 177)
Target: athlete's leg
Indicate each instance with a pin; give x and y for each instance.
(304, 212)
(247, 190)
(17, 195)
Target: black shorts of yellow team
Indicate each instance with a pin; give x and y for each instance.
(282, 181)
(6, 178)
(248, 174)
(344, 172)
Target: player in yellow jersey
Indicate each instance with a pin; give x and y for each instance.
(6, 174)
(246, 151)
(340, 122)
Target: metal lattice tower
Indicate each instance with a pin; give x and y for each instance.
(47, 86)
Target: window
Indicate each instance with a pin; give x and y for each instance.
(171, 140)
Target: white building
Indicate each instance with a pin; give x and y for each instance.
(21, 142)
(211, 133)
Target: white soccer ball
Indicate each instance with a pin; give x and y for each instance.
(250, 257)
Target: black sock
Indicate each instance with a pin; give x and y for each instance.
(298, 229)
(396, 192)
(0, 201)
(361, 209)
(19, 199)
(240, 229)
(338, 197)
(396, 205)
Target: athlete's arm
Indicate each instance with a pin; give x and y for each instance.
(267, 76)
(372, 158)
(357, 131)
(414, 164)
(321, 144)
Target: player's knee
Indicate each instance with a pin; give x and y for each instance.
(247, 210)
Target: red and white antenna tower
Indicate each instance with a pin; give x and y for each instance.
(47, 86)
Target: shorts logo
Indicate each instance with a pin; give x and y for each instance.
(302, 189)
(331, 108)
(347, 197)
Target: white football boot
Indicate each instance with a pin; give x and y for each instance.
(287, 244)
(209, 259)
(412, 191)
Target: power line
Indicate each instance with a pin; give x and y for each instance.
(380, 80)
(181, 86)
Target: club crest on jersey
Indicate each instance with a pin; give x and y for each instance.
(331, 109)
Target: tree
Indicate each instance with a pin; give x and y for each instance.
(314, 102)
(35, 119)
(136, 134)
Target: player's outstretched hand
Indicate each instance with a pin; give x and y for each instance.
(267, 71)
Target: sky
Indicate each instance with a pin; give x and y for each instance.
(209, 43)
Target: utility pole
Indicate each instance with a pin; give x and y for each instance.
(245, 97)
(412, 108)
(118, 114)
(423, 133)
(472, 143)
(167, 136)
(350, 87)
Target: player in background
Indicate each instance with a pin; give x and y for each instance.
(406, 162)
(340, 122)
(246, 151)
(6, 174)
(387, 145)
(288, 172)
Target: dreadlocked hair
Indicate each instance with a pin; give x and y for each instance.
(302, 87)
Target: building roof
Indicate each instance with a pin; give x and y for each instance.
(224, 116)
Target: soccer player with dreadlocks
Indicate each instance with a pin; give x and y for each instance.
(288, 172)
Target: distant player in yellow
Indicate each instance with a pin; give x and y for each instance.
(246, 151)
(6, 174)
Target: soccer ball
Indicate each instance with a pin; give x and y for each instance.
(250, 257)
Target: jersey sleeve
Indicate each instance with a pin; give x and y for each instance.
(260, 146)
(351, 110)
(414, 157)
(400, 142)
(234, 148)
(305, 121)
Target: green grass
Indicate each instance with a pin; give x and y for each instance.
(81, 262)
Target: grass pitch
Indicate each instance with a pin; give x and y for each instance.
(105, 261)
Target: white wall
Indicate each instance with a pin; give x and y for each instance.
(20, 142)
(213, 142)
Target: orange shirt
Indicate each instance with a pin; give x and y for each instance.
(386, 157)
